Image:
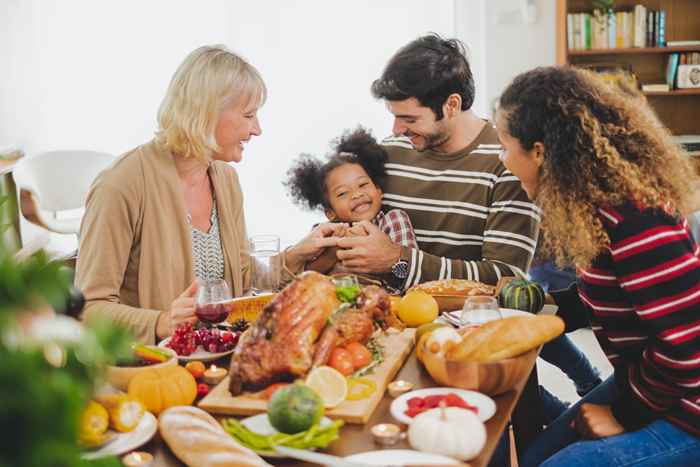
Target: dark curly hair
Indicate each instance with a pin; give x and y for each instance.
(306, 179)
(603, 146)
(430, 69)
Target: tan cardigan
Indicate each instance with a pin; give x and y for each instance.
(135, 253)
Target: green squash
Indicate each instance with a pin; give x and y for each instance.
(521, 294)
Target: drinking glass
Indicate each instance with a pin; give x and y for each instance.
(265, 259)
(211, 303)
(479, 310)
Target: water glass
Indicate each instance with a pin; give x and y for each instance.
(211, 302)
(266, 265)
(479, 310)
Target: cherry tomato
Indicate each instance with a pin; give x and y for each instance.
(341, 360)
(360, 355)
(271, 389)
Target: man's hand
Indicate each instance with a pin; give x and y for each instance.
(596, 421)
(374, 253)
(313, 245)
(181, 311)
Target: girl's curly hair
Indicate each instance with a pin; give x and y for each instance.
(603, 146)
(306, 179)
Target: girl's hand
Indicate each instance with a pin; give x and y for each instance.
(596, 421)
(181, 310)
(313, 245)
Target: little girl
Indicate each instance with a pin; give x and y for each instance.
(348, 187)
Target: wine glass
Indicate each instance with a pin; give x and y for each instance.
(211, 303)
(479, 310)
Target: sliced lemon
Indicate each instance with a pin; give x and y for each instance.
(329, 384)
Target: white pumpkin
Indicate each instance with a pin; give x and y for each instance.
(438, 339)
(450, 431)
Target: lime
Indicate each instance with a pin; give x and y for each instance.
(294, 408)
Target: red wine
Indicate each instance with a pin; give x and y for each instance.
(211, 312)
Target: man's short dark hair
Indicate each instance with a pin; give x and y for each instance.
(429, 68)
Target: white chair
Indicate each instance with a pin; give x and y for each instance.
(58, 181)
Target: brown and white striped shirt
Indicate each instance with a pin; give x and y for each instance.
(470, 215)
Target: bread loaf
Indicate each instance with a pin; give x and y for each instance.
(198, 440)
(458, 287)
(506, 338)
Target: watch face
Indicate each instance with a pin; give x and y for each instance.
(400, 269)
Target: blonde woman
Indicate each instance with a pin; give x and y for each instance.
(171, 211)
(611, 184)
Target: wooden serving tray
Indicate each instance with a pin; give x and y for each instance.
(397, 347)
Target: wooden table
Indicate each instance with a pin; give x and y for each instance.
(357, 438)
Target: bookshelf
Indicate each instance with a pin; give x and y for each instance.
(678, 109)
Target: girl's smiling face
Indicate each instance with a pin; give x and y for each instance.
(352, 195)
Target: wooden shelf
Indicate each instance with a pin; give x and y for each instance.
(677, 109)
(675, 92)
(634, 50)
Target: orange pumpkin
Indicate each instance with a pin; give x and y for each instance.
(161, 388)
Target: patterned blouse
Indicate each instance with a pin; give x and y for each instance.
(206, 250)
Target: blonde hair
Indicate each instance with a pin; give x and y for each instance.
(209, 80)
(604, 146)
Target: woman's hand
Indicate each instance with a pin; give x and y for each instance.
(181, 311)
(596, 421)
(313, 245)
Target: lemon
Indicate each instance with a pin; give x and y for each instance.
(328, 383)
(416, 308)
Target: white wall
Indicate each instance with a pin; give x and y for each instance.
(90, 74)
(503, 44)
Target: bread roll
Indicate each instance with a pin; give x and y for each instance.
(198, 440)
(505, 338)
(458, 287)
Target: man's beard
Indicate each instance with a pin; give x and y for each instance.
(434, 140)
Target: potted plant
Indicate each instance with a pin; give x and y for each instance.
(49, 365)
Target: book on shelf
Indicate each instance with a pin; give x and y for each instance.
(689, 143)
(672, 69)
(598, 29)
(682, 43)
(656, 87)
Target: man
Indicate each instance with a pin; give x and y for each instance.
(471, 217)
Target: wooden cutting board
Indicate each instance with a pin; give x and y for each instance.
(397, 347)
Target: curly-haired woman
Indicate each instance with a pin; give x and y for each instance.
(611, 184)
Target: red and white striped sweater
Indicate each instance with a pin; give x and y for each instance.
(642, 296)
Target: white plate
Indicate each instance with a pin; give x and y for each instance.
(125, 442)
(454, 317)
(399, 457)
(199, 354)
(261, 425)
(485, 405)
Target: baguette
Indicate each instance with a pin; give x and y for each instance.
(457, 287)
(197, 439)
(506, 338)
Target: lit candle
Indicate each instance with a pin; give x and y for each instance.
(398, 387)
(137, 459)
(214, 374)
(386, 434)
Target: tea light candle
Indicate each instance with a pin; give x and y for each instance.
(214, 374)
(137, 459)
(398, 387)
(386, 433)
